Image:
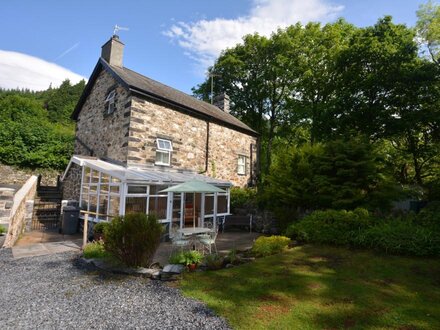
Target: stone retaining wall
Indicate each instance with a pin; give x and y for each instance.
(6, 201)
(21, 212)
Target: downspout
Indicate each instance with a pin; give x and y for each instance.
(251, 166)
(206, 149)
(90, 150)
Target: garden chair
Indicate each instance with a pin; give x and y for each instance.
(178, 240)
(208, 240)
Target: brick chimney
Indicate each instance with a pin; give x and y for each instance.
(113, 51)
(222, 101)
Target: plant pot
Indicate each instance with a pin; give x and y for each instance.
(192, 267)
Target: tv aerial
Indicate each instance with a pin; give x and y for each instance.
(119, 28)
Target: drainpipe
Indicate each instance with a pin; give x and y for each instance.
(206, 149)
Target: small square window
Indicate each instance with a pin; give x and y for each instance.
(241, 165)
(163, 152)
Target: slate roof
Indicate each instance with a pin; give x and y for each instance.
(154, 89)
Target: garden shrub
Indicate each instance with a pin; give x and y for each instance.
(409, 234)
(2, 229)
(133, 239)
(338, 174)
(98, 230)
(403, 236)
(265, 246)
(213, 261)
(95, 250)
(243, 198)
(99, 227)
(337, 227)
(430, 215)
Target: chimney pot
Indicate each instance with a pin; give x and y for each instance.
(222, 101)
(113, 51)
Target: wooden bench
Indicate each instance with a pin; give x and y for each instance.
(242, 221)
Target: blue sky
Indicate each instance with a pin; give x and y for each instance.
(172, 41)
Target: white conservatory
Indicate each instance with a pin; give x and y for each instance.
(108, 190)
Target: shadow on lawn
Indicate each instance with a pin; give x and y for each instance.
(324, 288)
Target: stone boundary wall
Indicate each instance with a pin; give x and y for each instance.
(21, 211)
(6, 202)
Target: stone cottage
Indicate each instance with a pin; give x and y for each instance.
(136, 137)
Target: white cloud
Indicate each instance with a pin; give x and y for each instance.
(19, 70)
(205, 39)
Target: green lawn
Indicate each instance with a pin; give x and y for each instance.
(312, 287)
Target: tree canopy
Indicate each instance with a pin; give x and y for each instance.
(35, 127)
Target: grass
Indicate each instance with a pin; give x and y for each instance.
(95, 250)
(320, 287)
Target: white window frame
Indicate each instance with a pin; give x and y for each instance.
(162, 150)
(241, 164)
(110, 102)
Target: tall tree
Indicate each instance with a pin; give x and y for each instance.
(369, 68)
(428, 29)
(316, 79)
(256, 75)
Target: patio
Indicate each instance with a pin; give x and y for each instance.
(226, 242)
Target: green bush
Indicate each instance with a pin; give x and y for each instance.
(430, 215)
(133, 239)
(186, 258)
(99, 228)
(337, 227)
(2, 229)
(400, 237)
(265, 246)
(410, 235)
(243, 198)
(95, 250)
(338, 174)
(213, 261)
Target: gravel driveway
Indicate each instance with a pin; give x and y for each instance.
(52, 292)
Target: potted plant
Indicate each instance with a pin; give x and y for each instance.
(192, 259)
(98, 231)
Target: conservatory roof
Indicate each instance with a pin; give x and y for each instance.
(140, 175)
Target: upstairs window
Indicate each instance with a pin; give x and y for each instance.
(163, 152)
(241, 166)
(110, 102)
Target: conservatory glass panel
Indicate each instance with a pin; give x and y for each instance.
(158, 206)
(93, 201)
(135, 205)
(95, 176)
(114, 206)
(137, 189)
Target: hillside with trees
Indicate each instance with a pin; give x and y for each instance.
(35, 127)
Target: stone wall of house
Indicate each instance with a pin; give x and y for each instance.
(21, 211)
(151, 120)
(225, 146)
(71, 184)
(105, 134)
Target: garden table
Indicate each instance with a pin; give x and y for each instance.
(193, 231)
